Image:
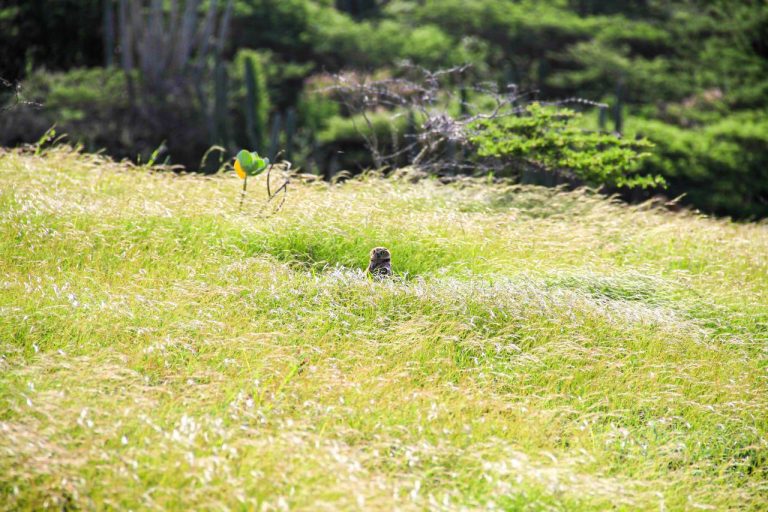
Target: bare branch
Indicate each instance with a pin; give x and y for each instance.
(441, 140)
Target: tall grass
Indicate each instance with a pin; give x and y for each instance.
(538, 350)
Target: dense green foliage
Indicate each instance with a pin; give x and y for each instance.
(91, 106)
(722, 166)
(674, 71)
(546, 138)
(90, 103)
(538, 350)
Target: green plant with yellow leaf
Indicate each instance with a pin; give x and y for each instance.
(250, 163)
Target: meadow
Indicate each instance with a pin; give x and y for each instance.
(538, 349)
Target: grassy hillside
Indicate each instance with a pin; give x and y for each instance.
(540, 350)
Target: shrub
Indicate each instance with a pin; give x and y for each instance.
(545, 138)
(88, 104)
(91, 106)
(721, 167)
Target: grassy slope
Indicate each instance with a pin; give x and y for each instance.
(547, 350)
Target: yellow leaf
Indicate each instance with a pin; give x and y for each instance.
(239, 170)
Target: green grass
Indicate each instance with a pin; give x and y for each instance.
(539, 349)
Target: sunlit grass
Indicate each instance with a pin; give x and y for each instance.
(538, 350)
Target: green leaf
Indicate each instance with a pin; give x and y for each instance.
(246, 160)
(259, 164)
(251, 162)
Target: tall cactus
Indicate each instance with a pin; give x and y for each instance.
(171, 44)
(168, 48)
(257, 103)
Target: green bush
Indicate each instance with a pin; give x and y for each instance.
(343, 139)
(315, 109)
(545, 137)
(352, 129)
(87, 104)
(339, 41)
(721, 167)
(93, 108)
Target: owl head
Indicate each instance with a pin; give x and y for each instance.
(380, 264)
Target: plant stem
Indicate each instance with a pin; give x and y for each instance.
(242, 194)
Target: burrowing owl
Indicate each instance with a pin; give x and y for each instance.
(380, 265)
